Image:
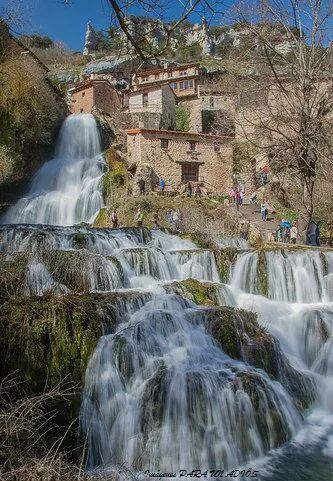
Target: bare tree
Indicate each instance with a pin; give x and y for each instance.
(294, 126)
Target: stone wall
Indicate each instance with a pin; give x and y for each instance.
(106, 98)
(224, 103)
(145, 147)
(82, 100)
(160, 110)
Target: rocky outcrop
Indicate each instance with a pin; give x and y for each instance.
(241, 337)
(91, 40)
(199, 34)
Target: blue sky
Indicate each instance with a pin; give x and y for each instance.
(67, 23)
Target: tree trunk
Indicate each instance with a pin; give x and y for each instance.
(306, 210)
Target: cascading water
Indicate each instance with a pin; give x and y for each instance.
(66, 190)
(298, 312)
(161, 394)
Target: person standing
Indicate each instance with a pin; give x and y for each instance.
(114, 218)
(189, 189)
(238, 199)
(156, 221)
(142, 186)
(293, 233)
(231, 194)
(197, 192)
(162, 185)
(263, 210)
(139, 217)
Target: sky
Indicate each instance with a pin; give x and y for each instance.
(67, 22)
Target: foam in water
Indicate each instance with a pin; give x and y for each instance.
(66, 190)
(159, 392)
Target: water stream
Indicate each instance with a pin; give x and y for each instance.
(161, 395)
(67, 189)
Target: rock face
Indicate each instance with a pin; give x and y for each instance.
(91, 40)
(209, 38)
(200, 35)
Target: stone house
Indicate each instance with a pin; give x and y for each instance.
(183, 156)
(211, 113)
(182, 78)
(157, 99)
(93, 93)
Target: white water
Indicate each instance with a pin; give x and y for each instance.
(67, 189)
(299, 313)
(160, 393)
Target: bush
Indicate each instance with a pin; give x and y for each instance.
(182, 119)
(36, 41)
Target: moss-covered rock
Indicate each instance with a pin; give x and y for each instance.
(225, 258)
(273, 429)
(202, 293)
(242, 338)
(153, 401)
(262, 274)
(50, 338)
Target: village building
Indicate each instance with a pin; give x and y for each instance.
(93, 94)
(157, 99)
(183, 157)
(182, 78)
(213, 113)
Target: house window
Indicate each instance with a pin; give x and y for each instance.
(192, 146)
(174, 85)
(190, 83)
(217, 148)
(186, 84)
(145, 79)
(190, 172)
(181, 85)
(145, 100)
(164, 144)
(183, 72)
(211, 102)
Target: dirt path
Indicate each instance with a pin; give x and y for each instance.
(252, 214)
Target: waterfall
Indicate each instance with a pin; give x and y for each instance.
(162, 392)
(298, 312)
(67, 189)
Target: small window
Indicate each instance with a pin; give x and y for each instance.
(145, 100)
(217, 147)
(190, 83)
(145, 79)
(186, 84)
(83, 94)
(183, 72)
(192, 145)
(164, 144)
(181, 85)
(211, 102)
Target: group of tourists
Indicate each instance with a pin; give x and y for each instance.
(172, 217)
(190, 191)
(286, 232)
(236, 197)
